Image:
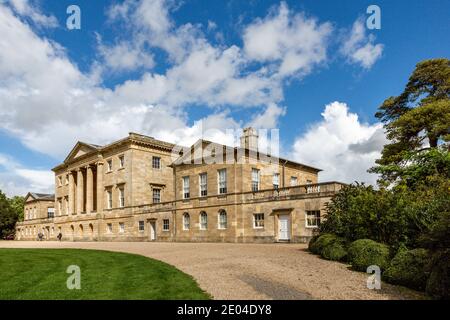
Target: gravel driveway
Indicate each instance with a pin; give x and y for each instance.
(250, 271)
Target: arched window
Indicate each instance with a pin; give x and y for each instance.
(186, 221)
(91, 228)
(222, 219)
(81, 229)
(72, 229)
(203, 220)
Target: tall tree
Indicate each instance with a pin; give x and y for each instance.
(8, 217)
(417, 120)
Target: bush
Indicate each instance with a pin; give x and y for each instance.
(335, 250)
(438, 284)
(409, 268)
(320, 242)
(312, 241)
(365, 252)
(329, 246)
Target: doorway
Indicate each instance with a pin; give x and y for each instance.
(284, 227)
(152, 230)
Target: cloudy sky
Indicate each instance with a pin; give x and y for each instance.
(179, 71)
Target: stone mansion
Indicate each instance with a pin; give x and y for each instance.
(134, 189)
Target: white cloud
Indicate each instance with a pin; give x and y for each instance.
(17, 180)
(296, 42)
(27, 9)
(341, 145)
(359, 48)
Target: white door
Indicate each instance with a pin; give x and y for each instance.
(283, 227)
(152, 230)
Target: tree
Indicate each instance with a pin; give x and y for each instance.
(417, 120)
(17, 203)
(8, 216)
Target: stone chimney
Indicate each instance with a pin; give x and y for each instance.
(249, 139)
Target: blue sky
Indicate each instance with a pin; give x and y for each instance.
(176, 70)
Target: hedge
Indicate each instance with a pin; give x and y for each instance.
(365, 252)
(409, 268)
(329, 246)
(438, 284)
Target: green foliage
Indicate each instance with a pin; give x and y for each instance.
(328, 246)
(418, 116)
(336, 250)
(320, 242)
(8, 216)
(438, 284)
(17, 203)
(395, 217)
(409, 268)
(365, 252)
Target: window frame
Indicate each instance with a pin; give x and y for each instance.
(141, 223)
(316, 218)
(109, 199)
(109, 165)
(222, 189)
(121, 197)
(186, 187)
(203, 186)
(294, 178)
(158, 190)
(156, 160)
(256, 183)
(255, 220)
(109, 228)
(164, 225)
(121, 161)
(276, 185)
(121, 227)
(186, 221)
(203, 224)
(222, 213)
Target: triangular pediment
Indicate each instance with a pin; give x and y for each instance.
(79, 150)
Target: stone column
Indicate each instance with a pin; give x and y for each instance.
(71, 194)
(80, 199)
(100, 195)
(89, 189)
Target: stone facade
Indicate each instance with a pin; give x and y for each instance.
(143, 189)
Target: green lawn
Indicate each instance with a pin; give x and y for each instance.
(41, 274)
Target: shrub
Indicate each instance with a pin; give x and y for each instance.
(320, 242)
(438, 284)
(365, 252)
(335, 250)
(409, 268)
(312, 241)
(329, 246)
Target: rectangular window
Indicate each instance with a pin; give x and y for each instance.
(59, 181)
(313, 218)
(59, 207)
(67, 179)
(203, 181)
(255, 180)
(186, 188)
(258, 220)
(141, 226)
(156, 162)
(51, 211)
(67, 205)
(121, 197)
(166, 224)
(121, 161)
(276, 180)
(109, 228)
(294, 181)
(109, 165)
(203, 221)
(222, 181)
(109, 199)
(121, 227)
(156, 195)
